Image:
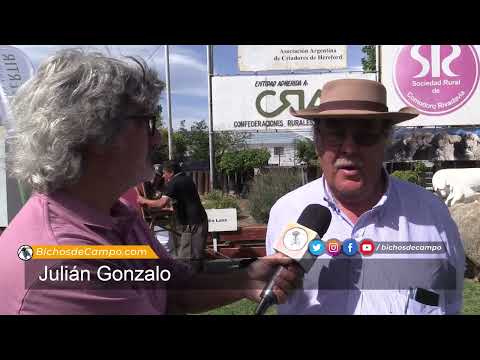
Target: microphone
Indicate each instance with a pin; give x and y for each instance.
(293, 241)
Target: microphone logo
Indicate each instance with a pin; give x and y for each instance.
(295, 236)
(295, 239)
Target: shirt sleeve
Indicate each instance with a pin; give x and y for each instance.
(456, 259)
(272, 230)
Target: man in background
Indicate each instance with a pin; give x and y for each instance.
(191, 217)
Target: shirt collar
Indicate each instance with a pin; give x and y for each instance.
(78, 211)
(332, 203)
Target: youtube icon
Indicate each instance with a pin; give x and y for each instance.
(367, 247)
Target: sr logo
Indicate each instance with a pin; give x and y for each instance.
(435, 62)
(436, 79)
(285, 102)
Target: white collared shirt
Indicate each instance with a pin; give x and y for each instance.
(381, 283)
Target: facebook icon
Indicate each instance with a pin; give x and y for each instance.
(349, 247)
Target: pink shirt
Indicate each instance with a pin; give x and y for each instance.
(59, 219)
(131, 197)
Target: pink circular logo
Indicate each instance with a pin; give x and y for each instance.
(436, 79)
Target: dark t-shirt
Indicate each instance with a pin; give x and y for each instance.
(188, 207)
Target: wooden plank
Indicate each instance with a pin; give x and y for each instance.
(246, 233)
(235, 253)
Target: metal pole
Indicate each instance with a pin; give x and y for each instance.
(379, 63)
(169, 106)
(210, 119)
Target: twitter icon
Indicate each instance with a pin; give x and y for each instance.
(316, 247)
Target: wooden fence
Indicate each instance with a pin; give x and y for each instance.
(201, 179)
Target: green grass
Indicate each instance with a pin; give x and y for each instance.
(242, 307)
(471, 298)
(471, 303)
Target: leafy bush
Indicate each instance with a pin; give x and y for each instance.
(420, 167)
(267, 188)
(414, 176)
(217, 200)
(408, 175)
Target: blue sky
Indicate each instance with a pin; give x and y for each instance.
(188, 70)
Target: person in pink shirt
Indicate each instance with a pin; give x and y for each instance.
(85, 133)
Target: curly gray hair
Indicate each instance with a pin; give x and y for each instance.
(75, 99)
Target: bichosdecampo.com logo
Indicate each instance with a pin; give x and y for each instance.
(45, 252)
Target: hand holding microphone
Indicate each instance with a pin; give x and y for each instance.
(293, 244)
(286, 275)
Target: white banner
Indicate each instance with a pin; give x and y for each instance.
(291, 57)
(440, 81)
(3, 181)
(15, 69)
(246, 103)
(222, 220)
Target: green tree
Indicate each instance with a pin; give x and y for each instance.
(229, 140)
(230, 162)
(180, 142)
(194, 143)
(369, 61)
(305, 151)
(253, 158)
(179, 146)
(197, 142)
(158, 115)
(243, 160)
(240, 164)
(160, 153)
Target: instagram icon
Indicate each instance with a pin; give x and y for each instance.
(333, 247)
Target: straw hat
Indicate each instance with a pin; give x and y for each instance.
(354, 99)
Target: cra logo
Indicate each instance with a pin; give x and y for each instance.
(285, 103)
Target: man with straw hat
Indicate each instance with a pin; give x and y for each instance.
(405, 254)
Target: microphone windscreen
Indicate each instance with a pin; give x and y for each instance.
(316, 217)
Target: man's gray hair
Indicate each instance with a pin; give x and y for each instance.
(75, 99)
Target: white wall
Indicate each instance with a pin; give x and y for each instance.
(288, 157)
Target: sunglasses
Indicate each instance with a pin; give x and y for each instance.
(336, 137)
(150, 119)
